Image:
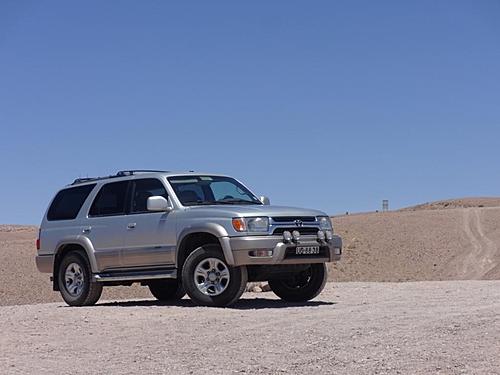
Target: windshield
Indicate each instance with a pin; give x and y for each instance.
(210, 190)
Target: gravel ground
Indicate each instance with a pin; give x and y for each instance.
(440, 327)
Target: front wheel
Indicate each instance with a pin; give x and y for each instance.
(302, 286)
(209, 280)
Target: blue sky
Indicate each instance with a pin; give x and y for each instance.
(326, 104)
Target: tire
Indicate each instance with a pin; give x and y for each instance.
(77, 289)
(205, 263)
(167, 290)
(302, 286)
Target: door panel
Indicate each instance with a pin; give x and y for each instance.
(150, 236)
(107, 237)
(150, 240)
(106, 224)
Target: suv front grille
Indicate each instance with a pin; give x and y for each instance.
(291, 219)
(304, 231)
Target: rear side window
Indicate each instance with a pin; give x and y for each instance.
(110, 200)
(68, 203)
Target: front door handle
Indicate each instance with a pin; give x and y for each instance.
(131, 225)
(87, 229)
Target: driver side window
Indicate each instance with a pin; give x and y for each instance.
(143, 189)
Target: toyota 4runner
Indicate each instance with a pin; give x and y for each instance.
(206, 235)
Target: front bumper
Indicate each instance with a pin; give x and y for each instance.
(45, 263)
(241, 247)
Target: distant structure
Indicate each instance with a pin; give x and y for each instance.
(385, 205)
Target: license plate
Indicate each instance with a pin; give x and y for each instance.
(307, 250)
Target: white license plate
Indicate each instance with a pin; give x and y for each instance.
(307, 250)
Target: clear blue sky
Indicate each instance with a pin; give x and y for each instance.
(326, 104)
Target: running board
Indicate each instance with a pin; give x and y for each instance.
(136, 275)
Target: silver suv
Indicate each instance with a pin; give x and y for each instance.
(206, 235)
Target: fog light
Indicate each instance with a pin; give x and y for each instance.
(296, 235)
(261, 253)
(287, 236)
(329, 235)
(321, 235)
(337, 251)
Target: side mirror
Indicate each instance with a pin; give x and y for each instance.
(265, 200)
(158, 204)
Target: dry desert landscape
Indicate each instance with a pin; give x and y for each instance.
(417, 291)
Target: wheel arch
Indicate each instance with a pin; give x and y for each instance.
(192, 238)
(72, 244)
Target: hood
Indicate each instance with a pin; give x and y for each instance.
(252, 210)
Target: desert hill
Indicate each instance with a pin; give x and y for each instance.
(447, 240)
(457, 203)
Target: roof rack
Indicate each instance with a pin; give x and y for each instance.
(88, 179)
(81, 180)
(134, 171)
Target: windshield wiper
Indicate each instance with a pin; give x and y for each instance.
(221, 202)
(237, 201)
(199, 203)
(205, 203)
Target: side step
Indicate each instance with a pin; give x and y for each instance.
(136, 275)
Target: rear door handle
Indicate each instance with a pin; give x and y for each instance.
(87, 229)
(131, 225)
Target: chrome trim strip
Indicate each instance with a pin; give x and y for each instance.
(164, 275)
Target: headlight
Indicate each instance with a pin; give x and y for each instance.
(258, 224)
(325, 223)
(251, 224)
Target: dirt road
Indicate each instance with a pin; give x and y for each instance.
(480, 259)
(448, 327)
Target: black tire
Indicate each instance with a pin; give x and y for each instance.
(167, 290)
(234, 287)
(90, 291)
(302, 286)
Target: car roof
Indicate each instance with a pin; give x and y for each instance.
(133, 174)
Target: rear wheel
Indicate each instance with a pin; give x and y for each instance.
(75, 281)
(302, 286)
(167, 290)
(209, 280)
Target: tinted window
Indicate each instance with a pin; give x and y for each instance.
(190, 192)
(110, 200)
(226, 190)
(68, 203)
(211, 190)
(143, 189)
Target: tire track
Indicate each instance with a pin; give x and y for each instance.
(479, 261)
